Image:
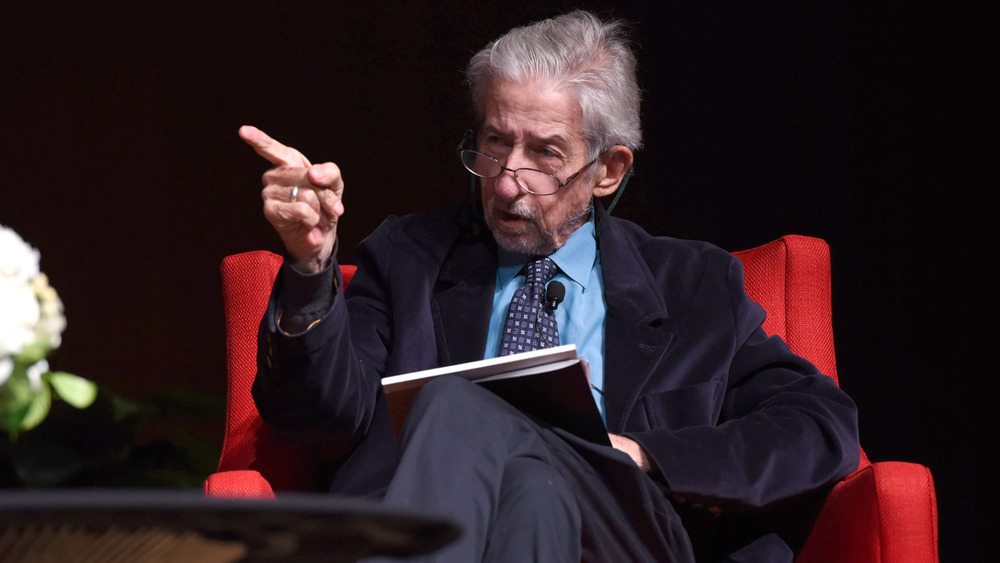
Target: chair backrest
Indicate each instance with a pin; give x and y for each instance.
(789, 277)
(247, 280)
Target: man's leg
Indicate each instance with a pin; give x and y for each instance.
(460, 444)
(456, 446)
(535, 504)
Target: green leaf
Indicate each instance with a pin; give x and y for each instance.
(16, 392)
(33, 352)
(11, 422)
(73, 389)
(16, 396)
(38, 409)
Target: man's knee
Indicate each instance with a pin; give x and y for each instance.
(448, 394)
(453, 403)
(451, 412)
(537, 488)
(446, 386)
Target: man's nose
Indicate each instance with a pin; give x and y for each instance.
(505, 186)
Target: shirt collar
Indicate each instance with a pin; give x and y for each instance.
(575, 258)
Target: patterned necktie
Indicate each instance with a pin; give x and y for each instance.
(530, 325)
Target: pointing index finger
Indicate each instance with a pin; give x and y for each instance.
(275, 152)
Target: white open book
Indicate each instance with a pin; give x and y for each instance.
(550, 385)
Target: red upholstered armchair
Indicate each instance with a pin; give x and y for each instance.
(883, 512)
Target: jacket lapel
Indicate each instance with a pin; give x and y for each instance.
(634, 340)
(463, 299)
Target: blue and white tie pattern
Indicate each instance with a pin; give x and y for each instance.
(530, 325)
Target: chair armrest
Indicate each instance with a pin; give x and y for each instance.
(885, 512)
(243, 483)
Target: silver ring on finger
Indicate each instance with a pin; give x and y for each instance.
(295, 193)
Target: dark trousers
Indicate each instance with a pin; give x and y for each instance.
(525, 492)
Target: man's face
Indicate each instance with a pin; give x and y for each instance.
(528, 125)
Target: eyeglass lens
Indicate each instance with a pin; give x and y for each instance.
(485, 166)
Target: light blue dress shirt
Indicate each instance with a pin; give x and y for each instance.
(580, 317)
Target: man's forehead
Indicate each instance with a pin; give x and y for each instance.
(538, 112)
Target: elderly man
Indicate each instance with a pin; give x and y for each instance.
(707, 415)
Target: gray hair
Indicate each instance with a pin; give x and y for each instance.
(577, 51)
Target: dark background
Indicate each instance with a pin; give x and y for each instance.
(862, 124)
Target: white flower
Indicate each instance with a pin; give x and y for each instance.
(21, 313)
(35, 372)
(31, 326)
(51, 320)
(32, 310)
(6, 368)
(18, 260)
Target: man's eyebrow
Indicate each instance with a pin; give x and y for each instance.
(492, 130)
(556, 139)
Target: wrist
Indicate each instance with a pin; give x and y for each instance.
(633, 449)
(303, 298)
(312, 263)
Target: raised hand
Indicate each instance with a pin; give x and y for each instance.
(302, 201)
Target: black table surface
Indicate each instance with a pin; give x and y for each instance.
(144, 524)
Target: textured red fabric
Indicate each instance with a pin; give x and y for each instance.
(790, 278)
(247, 280)
(886, 513)
(238, 484)
(882, 513)
(246, 284)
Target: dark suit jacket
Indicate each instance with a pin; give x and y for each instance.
(729, 416)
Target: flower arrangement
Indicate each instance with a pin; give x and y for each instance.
(31, 326)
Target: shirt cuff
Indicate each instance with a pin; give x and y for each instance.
(304, 299)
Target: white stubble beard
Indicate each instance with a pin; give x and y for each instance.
(547, 241)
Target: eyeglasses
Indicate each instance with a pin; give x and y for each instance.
(533, 181)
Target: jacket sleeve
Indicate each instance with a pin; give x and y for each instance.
(310, 383)
(323, 385)
(781, 429)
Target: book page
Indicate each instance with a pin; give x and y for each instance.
(481, 369)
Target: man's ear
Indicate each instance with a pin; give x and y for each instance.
(614, 164)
